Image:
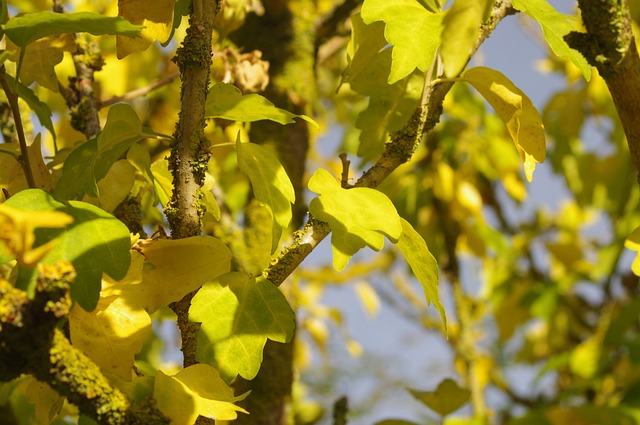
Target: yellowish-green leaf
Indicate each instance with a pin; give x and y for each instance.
(516, 110)
(585, 358)
(113, 333)
(40, 59)
(555, 26)
(175, 267)
(446, 399)
(358, 217)
(422, 263)
(16, 232)
(238, 313)
(368, 298)
(227, 101)
(156, 16)
(115, 186)
(195, 391)
(461, 28)
(162, 180)
(271, 184)
(412, 30)
(48, 403)
(633, 243)
(12, 177)
(366, 42)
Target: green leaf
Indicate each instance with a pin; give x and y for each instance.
(227, 101)
(238, 313)
(555, 26)
(461, 28)
(366, 43)
(412, 30)
(271, 184)
(516, 110)
(40, 108)
(30, 27)
(358, 217)
(195, 390)
(422, 263)
(91, 161)
(95, 243)
(447, 398)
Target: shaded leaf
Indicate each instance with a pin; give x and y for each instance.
(227, 101)
(365, 44)
(446, 399)
(358, 217)
(48, 403)
(95, 243)
(12, 176)
(238, 313)
(91, 161)
(515, 109)
(195, 390)
(175, 267)
(412, 30)
(461, 28)
(271, 184)
(555, 26)
(40, 108)
(422, 263)
(156, 17)
(26, 29)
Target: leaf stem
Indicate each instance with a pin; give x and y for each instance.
(12, 98)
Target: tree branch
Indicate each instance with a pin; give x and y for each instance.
(398, 151)
(190, 149)
(609, 45)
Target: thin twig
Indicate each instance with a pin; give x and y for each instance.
(12, 98)
(168, 79)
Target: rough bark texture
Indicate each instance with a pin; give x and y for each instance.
(190, 150)
(609, 45)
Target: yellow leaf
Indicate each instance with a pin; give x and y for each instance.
(16, 231)
(516, 110)
(155, 15)
(585, 358)
(40, 59)
(115, 186)
(469, 197)
(113, 333)
(633, 243)
(368, 298)
(12, 177)
(196, 390)
(48, 403)
(175, 267)
(461, 27)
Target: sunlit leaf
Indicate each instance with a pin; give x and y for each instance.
(461, 28)
(368, 298)
(633, 243)
(91, 161)
(115, 186)
(238, 313)
(113, 333)
(271, 184)
(156, 17)
(555, 26)
(412, 30)
(422, 263)
(175, 267)
(196, 390)
(365, 44)
(358, 217)
(26, 29)
(515, 109)
(227, 101)
(446, 399)
(95, 243)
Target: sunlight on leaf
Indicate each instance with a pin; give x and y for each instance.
(633, 243)
(113, 333)
(412, 30)
(368, 298)
(422, 263)
(365, 44)
(358, 217)
(227, 101)
(238, 313)
(196, 390)
(26, 29)
(95, 243)
(446, 399)
(271, 185)
(555, 26)
(515, 109)
(156, 16)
